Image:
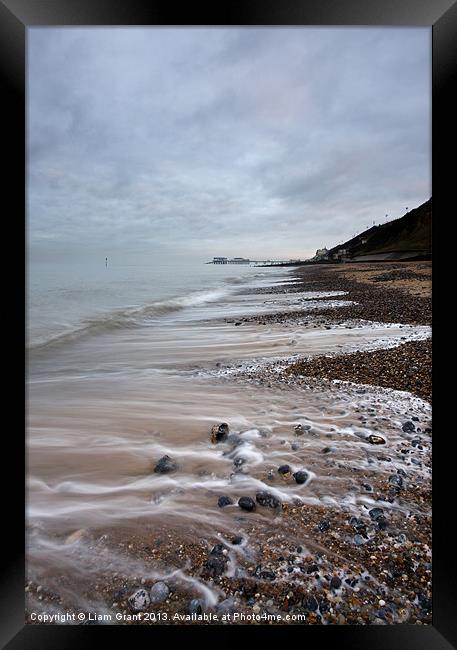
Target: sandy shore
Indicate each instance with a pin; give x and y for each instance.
(303, 562)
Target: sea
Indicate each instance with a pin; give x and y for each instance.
(127, 363)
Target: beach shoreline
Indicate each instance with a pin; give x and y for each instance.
(389, 292)
(365, 559)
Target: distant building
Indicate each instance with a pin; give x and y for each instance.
(220, 260)
(341, 254)
(321, 254)
(238, 260)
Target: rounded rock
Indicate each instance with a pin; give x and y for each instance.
(408, 427)
(219, 432)
(285, 471)
(267, 499)
(396, 480)
(375, 440)
(246, 503)
(165, 465)
(301, 477)
(375, 513)
(196, 606)
(139, 601)
(224, 501)
(159, 592)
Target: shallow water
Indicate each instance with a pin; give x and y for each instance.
(105, 405)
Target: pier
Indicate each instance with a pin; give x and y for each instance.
(244, 260)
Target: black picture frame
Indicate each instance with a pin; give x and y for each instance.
(16, 16)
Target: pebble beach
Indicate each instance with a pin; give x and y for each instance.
(317, 509)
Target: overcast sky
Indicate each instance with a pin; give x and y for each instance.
(255, 142)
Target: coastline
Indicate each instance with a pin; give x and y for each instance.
(392, 292)
(322, 560)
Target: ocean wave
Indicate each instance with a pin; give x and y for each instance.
(131, 317)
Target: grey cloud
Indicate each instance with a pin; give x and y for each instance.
(272, 139)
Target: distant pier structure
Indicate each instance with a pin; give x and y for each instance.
(245, 260)
(226, 260)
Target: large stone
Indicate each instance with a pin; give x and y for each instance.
(375, 440)
(375, 513)
(246, 503)
(165, 465)
(285, 471)
(267, 499)
(224, 501)
(139, 601)
(219, 432)
(408, 427)
(301, 476)
(159, 592)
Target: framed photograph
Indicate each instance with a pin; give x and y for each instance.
(227, 234)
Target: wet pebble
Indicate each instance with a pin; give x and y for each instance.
(375, 513)
(139, 601)
(224, 501)
(238, 462)
(196, 606)
(375, 440)
(285, 471)
(300, 429)
(382, 522)
(408, 427)
(219, 432)
(267, 499)
(301, 476)
(159, 592)
(165, 465)
(358, 524)
(396, 480)
(266, 574)
(246, 503)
